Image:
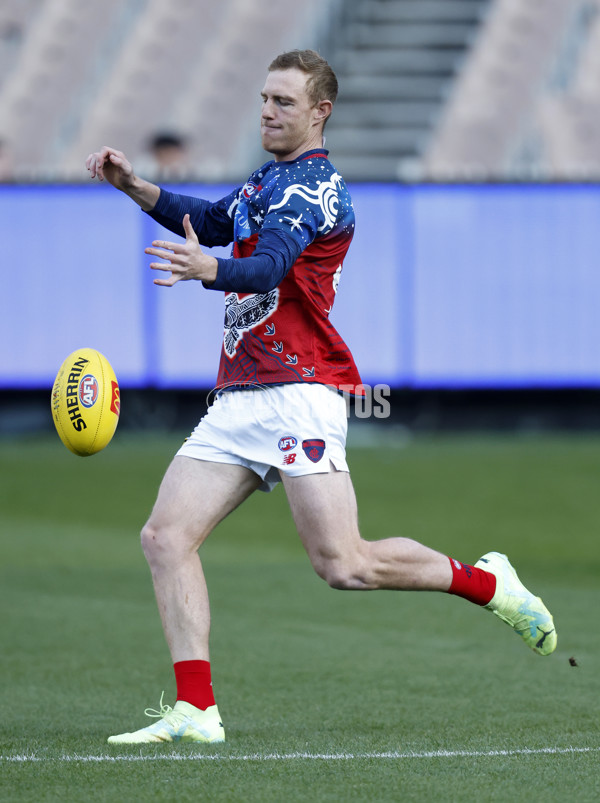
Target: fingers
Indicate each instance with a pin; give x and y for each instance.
(170, 253)
(174, 263)
(175, 247)
(190, 234)
(165, 266)
(168, 268)
(173, 279)
(97, 161)
(181, 259)
(170, 280)
(92, 165)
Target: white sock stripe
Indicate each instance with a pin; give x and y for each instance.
(392, 754)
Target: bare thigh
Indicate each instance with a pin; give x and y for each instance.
(195, 495)
(325, 514)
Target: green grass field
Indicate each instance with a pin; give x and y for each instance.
(325, 695)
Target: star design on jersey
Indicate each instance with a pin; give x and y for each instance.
(305, 200)
(326, 197)
(294, 222)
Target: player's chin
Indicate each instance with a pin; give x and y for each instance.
(270, 141)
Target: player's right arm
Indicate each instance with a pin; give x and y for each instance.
(113, 165)
(212, 222)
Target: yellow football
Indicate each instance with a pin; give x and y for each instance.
(86, 402)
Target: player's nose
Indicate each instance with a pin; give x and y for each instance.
(268, 110)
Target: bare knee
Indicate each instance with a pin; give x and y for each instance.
(344, 572)
(153, 544)
(343, 578)
(161, 545)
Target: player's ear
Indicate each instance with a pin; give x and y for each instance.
(323, 110)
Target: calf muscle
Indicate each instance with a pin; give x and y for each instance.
(325, 514)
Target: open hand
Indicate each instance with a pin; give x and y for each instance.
(183, 260)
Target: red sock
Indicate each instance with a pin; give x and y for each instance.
(470, 583)
(193, 683)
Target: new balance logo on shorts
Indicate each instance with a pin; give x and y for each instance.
(314, 449)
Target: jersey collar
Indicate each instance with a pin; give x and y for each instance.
(316, 153)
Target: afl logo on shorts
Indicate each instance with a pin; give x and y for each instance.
(88, 390)
(287, 442)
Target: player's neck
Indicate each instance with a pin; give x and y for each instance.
(312, 144)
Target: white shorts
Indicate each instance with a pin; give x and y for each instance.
(295, 429)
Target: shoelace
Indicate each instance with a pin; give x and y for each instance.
(164, 710)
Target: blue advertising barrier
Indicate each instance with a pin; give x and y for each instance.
(444, 286)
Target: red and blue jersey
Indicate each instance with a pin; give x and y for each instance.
(291, 225)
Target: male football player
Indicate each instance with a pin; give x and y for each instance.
(277, 416)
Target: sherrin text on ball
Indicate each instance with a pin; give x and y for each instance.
(86, 402)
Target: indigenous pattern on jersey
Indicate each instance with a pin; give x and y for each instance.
(283, 334)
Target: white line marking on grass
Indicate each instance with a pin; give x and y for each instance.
(393, 755)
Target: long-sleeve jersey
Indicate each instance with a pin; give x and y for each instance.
(291, 225)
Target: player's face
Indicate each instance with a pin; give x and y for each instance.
(289, 124)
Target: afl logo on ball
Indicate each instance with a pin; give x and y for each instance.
(286, 443)
(88, 390)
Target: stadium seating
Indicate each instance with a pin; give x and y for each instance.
(43, 95)
(396, 60)
(430, 89)
(88, 74)
(567, 119)
(13, 23)
(498, 92)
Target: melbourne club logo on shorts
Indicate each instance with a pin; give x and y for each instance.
(314, 449)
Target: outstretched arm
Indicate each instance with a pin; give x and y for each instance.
(113, 165)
